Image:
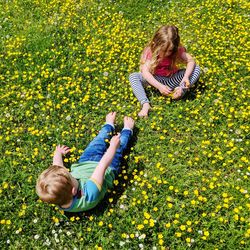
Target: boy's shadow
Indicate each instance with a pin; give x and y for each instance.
(118, 190)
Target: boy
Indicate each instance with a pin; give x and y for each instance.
(87, 183)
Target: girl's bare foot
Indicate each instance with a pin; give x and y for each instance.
(110, 118)
(129, 122)
(145, 109)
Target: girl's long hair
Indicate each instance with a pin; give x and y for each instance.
(166, 38)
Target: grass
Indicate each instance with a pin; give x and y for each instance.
(185, 182)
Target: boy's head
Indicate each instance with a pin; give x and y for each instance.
(55, 185)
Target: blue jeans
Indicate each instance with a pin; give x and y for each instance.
(96, 149)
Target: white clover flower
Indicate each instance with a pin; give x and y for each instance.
(68, 233)
(47, 242)
(105, 73)
(122, 206)
(68, 117)
(141, 246)
(205, 70)
(121, 243)
(238, 140)
(143, 236)
(36, 237)
(200, 232)
(238, 131)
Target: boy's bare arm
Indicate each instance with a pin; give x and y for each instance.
(58, 155)
(106, 160)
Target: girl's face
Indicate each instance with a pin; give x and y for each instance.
(169, 52)
(166, 53)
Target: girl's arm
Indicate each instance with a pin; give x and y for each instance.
(58, 155)
(190, 66)
(151, 80)
(99, 172)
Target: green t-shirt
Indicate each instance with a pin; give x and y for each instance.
(89, 192)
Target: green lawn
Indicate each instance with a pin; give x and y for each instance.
(65, 64)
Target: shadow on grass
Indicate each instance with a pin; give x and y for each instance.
(199, 87)
(118, 190)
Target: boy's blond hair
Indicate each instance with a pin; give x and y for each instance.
(54, 185)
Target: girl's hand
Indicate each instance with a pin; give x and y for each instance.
(115, 141)
(178, 93)
(185, 83)
(165, 90)
(62, 149)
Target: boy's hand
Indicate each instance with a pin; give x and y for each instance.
(62, 149)
(115, 141)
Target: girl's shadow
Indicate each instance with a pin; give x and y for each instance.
(199, 87)
(119, 189)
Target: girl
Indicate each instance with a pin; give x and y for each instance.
(158, 68)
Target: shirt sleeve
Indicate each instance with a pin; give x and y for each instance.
(181, 50)
(92, 190)
(148, 54)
